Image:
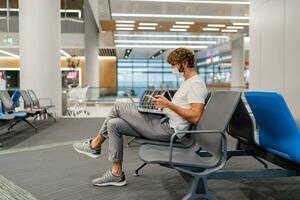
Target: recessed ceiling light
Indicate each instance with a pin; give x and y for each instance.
(235, 27)
(125, 21)
(124, 29)
(210, 29)
(165, 42)
(215, 25)
(229, 30)
(148, 24)
(177, 29)
(161, 46)
(146, 28)
(240, 24)
(177, 16)
(124, 25)
(183, 23)
(180, 26)
(171, 36)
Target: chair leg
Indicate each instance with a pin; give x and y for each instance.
(261, 161)
(30, 124)
(136, 172)
(39, 114)
(49, 115)
(199, 190)
(12, 125)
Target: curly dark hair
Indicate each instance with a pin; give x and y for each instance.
(181, 55)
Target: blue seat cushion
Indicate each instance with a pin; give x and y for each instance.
(278, 131)
(19, 114)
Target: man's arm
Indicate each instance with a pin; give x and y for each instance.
(192, 115)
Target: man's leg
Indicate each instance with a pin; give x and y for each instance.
(92, 147)
(116, 128)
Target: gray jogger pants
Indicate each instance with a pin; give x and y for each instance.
(125, 119)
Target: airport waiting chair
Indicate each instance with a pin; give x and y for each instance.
(209, 137)
(249, 124)
(36, 104)
(184, 142)
(27, 103)
(278, 131)
(4, 118)
(9, 108)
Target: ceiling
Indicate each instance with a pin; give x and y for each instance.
(146, 43)
(166, 13)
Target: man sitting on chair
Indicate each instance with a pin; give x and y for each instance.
(185, 109)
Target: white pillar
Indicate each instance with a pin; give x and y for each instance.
(40, 32)
(91, 47)
(237, 63)
(274, 49)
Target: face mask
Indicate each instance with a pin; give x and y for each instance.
(176, 72)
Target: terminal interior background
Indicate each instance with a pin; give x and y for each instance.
(85, 55)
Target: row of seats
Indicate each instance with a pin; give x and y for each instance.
(31, 107)
(260, 121)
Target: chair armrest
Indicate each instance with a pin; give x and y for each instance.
(46, 102)
(221, 161)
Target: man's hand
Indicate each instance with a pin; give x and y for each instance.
(160, 102)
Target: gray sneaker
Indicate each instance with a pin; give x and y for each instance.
(109, 179)
(84, 147)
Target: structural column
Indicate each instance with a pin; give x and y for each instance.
(237, 63)
(274, 49)
(40, 34)
(91, 50)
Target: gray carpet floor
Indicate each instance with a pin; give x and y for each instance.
(44, 164)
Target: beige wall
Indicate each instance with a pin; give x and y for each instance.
(108, 75)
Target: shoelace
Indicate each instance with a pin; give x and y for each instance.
(106, 175)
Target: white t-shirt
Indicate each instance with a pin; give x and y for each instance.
(192, 90)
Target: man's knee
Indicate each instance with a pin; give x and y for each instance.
(114, 124)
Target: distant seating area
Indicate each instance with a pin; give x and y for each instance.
(21, 106)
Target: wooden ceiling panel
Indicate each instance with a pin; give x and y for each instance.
(165, 26)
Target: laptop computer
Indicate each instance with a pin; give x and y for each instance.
(145, 105)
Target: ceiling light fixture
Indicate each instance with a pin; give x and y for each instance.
(65, 53)
(9, 54)
(172, 36)
(148, 24)
(181, 26)
(127, 52)
(229, 30)
(165, 42)
(125, 21)
(160, 52)
(161, 46)
(210, 29)
(124, 25)
(146, 28)
(235, 27)
(177, 16)
(183, 23)
(216, 25)
(124, 29)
